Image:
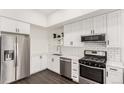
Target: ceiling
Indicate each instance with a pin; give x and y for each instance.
(46, 11)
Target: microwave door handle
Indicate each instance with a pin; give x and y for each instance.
(92, 67)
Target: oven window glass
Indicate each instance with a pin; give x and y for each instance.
(96, 75)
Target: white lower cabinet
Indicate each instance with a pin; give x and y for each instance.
(114, 75)
(54, 63)
(75, 70)
(38, 63)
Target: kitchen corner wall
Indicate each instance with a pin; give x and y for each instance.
(39, 49)
(39, 40)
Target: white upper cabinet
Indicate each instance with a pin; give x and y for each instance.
(7, 25)
(90, 26)
(13, 26)
(99, 24)
(68, 35)
(87, 26)
(114, 28)
(72, 34)
(76, 33)
(94, 25)
(23, 28)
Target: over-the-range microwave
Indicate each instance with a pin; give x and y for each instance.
(95, 38)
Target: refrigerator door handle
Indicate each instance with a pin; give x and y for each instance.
(16, 52)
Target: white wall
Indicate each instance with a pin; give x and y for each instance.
(39, 40)
(67, 14)
(39, 49)
(26, 15)
(37, 18)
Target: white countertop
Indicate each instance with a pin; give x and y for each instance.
(115, 64)
(68, 56)
(71, 57)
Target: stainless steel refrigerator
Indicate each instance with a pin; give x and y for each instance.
(14, 57)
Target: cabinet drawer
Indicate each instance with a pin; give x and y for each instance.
(74, 62)
(75, 73)
(75, 78)
(114, 69)
(75, 65)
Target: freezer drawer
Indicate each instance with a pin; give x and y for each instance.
(8, 72)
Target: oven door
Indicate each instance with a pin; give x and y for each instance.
(92, 74)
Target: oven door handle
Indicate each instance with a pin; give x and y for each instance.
(92, 67)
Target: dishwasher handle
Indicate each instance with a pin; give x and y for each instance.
(65, 60)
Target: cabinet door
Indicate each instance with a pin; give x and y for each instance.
(36, 64)
(77, 32)
(44, 61)
(23, 28)
(50, 62)
(115, 75)
(99, 24)
(68, 35)
(56, 64)
(87, 26)
(7, 25)
(113, 28)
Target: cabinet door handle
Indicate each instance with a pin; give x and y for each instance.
(74, 70)
(113, 69)
(107, 74)
(108, 42)
(71, 43)
(40, 57)
(91, 31)
(52, 60)
(74, 63)
(18, 29)
(74, 76)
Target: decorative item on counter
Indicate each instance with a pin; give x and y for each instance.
(54, 35)
(62, 34)
(58, 36)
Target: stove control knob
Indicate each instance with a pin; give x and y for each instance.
(95, 65)
(99, 65)
(90, 64)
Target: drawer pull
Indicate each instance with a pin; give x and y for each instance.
(74, 76)
(74, 63)
(74, 69)
(113, 69)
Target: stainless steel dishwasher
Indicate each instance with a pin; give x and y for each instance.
(65, 67)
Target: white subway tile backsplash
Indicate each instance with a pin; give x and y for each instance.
(79, 51)
(114, 54)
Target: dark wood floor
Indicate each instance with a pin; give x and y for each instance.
(45, 77)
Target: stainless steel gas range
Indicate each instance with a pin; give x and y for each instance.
(92, 67)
